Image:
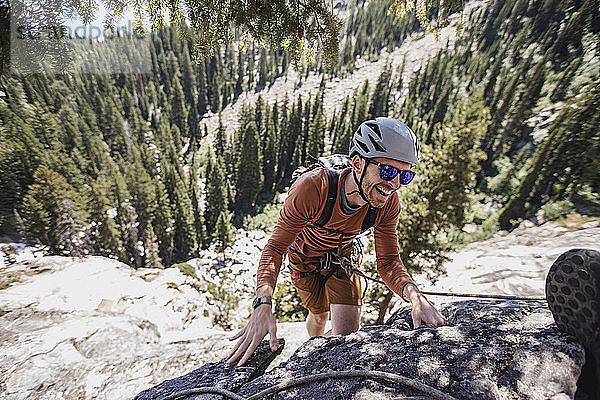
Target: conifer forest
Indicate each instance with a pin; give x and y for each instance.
(123, 165)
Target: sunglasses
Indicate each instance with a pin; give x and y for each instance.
(387, 172)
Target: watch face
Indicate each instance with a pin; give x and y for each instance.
(260, 300)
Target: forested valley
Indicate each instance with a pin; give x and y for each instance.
(124, 166)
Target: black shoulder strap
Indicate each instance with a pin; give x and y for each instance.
(333, 177)
(369, 220)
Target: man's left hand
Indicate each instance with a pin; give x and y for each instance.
(423, 312)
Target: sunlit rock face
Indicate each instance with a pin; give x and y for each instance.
(86, 354)
(496, 350)
(95, 328)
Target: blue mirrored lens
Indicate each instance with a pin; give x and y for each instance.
(388, 172)
(406, 177)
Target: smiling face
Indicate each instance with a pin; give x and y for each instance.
(376, 190)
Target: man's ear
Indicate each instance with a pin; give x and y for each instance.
(357, 164)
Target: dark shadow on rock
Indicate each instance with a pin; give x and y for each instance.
(217, 375)
(489, 350)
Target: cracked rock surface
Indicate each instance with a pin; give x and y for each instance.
(489, 350)
(217, 375)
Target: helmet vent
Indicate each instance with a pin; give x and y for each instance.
(363, 146)
(377, 146)
(375, 128)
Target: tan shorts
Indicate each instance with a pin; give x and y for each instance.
(338, 289)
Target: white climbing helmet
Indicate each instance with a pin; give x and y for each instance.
(385, 137)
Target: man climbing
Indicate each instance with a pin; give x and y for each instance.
(382, 152)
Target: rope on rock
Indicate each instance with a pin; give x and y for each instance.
(436, 394)
(355, 374)
(185, 393)
(477, 295)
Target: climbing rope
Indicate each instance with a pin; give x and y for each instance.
(185, 393)
(319, 377)
(478, 295)
(486, 296)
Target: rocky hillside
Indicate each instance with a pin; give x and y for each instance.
(95, 328)
(417, 49)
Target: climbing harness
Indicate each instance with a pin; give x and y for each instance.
(400, 379)
(333, 261)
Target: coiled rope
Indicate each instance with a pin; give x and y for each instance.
(435, 393)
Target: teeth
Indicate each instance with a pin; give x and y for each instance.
(383, 191)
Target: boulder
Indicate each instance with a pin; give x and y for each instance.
(496, 350)
(90, 354)
(217, 375)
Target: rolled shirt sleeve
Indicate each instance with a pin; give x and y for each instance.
(304, 202)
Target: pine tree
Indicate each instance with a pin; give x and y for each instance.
(178, 108)
(20, 155)
(189, 77)
(201, 237)
(113, 130)
(269, 156)
(163, 223)
(215, 98)
(249, 167)
(220, 138)
(294, 130)
(143, 196)
(20, 228)
(283, 141)
(340, 140)
(223, 235)
(126, 220)
(262, 69)
(303, 143)
(105, 232)
(202, 102)
(131, 237)
(361, 104)
(184, 235)
(380, 100)
(560, 91)
(215, 191)
(516, 129)
(239, 83)
(193, 129)
(151, 255)
(572, 145)
(316, 137)
(54, 214)
(70, 227)
(250, 55)
(259, 119)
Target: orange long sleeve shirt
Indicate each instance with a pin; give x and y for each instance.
(304, 204)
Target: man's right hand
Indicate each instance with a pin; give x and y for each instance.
(261, 322)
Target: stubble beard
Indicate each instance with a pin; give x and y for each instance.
(376, 198)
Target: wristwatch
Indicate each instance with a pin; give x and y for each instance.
(261, 300)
